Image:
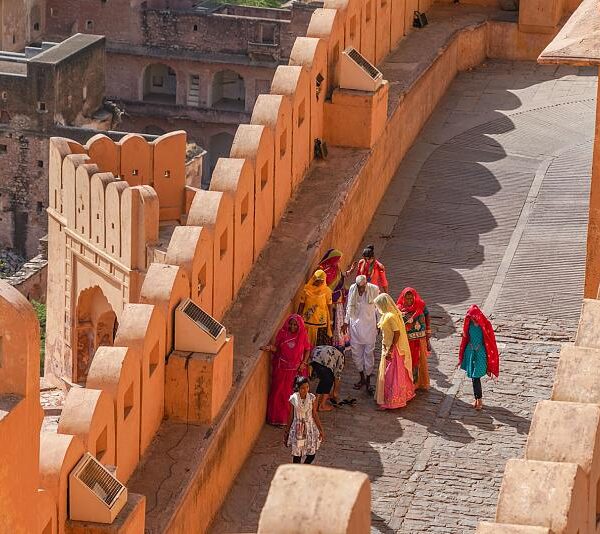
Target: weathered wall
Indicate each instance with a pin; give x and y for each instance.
(30, 280)
(23, 191)
(21, 23)
(178, 27)
(68, 81)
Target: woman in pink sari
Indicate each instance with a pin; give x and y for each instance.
(290, 355)
(394, 383)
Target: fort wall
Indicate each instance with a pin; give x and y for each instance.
(126, 248)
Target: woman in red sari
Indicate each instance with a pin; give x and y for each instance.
(416, 319)
(290, 356)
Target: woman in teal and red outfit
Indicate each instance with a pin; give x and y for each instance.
(478, 353)
(416, 319)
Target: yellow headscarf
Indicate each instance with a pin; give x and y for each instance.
(388, 309)
(314, 290)
(385, 304)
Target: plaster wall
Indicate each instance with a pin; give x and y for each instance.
(275, 112)
(254, 142)
(214, 210)
(294, 82)
(592, 267)
(20, 414)
(117, 371)
(235, 176)
(141, 330)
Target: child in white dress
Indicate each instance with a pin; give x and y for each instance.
(304, 433)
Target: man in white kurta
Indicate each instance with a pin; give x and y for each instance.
(361, 322)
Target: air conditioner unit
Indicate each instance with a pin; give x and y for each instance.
(94, 494)
(196, 330)
(356, 72)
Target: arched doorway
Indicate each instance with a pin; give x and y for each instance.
(160, 84)
(228, 91)
(96, 325)
(219, 146)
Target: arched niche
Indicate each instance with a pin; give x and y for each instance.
(95, 326)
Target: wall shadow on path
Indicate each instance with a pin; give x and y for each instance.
(447, 242)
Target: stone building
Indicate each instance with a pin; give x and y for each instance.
(185, 65)
(41, 89)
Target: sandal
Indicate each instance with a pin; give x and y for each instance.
(371, 391)
(359, 385)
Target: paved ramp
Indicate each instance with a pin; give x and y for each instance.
(495, 214)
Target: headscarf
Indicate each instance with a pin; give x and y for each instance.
(418, 306)
(385, 304)
(388, 309)
(489, 339)
(330, 263)
(314, 290)
(284, 335)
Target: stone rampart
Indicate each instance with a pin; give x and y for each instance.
(351, 208)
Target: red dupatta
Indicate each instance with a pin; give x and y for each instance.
(418, 306)
(300, 336)
(489, 339)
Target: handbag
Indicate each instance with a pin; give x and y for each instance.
(419, 20)
(300, 426)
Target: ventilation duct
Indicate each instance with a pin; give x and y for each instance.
(357, 73)
(196, 330)
(94, 493)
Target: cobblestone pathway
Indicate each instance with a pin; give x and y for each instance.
(496, 216)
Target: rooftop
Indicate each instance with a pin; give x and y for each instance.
(46, 52)
(578, 42)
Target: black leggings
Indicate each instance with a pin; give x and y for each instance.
(325, 376)
(308, 460)
(477, 391)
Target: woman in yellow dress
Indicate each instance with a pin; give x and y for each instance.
(316, 308)
(394, 382)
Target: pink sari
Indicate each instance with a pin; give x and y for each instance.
(398, 387)
(284, 369)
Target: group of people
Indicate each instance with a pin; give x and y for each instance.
(331, 321)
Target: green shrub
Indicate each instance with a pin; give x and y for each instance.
(40, 311)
